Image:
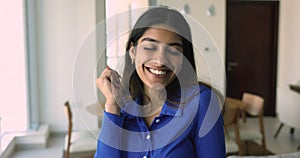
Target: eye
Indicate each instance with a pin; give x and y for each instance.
(174, 51)
(149, 47)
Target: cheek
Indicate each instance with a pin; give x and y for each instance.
(177, 63)
(140, 59)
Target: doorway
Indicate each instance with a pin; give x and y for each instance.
(251, 50)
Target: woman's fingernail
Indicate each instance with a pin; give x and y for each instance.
(108, 67)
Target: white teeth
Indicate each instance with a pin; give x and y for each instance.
(157, 72)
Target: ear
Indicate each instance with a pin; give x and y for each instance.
(132, 51)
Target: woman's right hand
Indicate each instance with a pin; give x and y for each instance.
(109, 84)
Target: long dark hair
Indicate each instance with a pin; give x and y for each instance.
(177, 23)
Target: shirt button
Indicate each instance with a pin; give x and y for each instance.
(158, 120)
(148, 137)
(144, 156)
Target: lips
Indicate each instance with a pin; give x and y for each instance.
(158, 72)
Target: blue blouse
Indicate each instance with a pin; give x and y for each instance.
(194, 130)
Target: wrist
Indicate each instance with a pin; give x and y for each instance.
(112, 108)
(110, 101)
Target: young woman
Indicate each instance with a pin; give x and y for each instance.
(158, 109)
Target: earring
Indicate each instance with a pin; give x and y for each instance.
(132, 61)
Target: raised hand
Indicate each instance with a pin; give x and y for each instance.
(110, 86)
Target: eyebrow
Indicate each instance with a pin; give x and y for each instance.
(156, 41)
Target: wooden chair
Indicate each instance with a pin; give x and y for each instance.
(81, 143)
(254, 108)
(231, 128)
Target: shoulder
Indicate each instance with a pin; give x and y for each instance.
(206, 94)
(205, 91)
(209, 102)
(202, 92)
(209, 112)
(209, 94)
(201, 97)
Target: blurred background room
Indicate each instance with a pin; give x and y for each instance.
(52, 51)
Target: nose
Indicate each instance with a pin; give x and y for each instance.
(161, 56)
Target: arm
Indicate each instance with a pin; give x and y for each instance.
(107, 82)
(212, 144)
(109, 137)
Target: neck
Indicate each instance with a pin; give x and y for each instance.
(156, 95)
(154, 98)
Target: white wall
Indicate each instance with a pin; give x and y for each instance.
(62, 26)
(289, 48)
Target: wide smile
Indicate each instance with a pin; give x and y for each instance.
(158, 73)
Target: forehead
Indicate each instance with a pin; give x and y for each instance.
(162, 35)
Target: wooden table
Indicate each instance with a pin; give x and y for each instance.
(96, 109)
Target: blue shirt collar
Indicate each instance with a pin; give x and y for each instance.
(169, 109)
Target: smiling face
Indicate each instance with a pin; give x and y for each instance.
(157, 56)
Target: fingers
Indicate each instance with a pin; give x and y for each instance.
(108, 82)
(114, 71)
(109, 74)
(113, 76)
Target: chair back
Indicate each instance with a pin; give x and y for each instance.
(68, 112)
(254, 103)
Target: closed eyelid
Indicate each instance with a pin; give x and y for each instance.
(175, 47)
(173, 44)
(154, 43)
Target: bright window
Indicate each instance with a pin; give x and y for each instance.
(13, 90)
(120, 18)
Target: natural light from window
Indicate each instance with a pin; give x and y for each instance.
(13, 99)
(119, 20)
